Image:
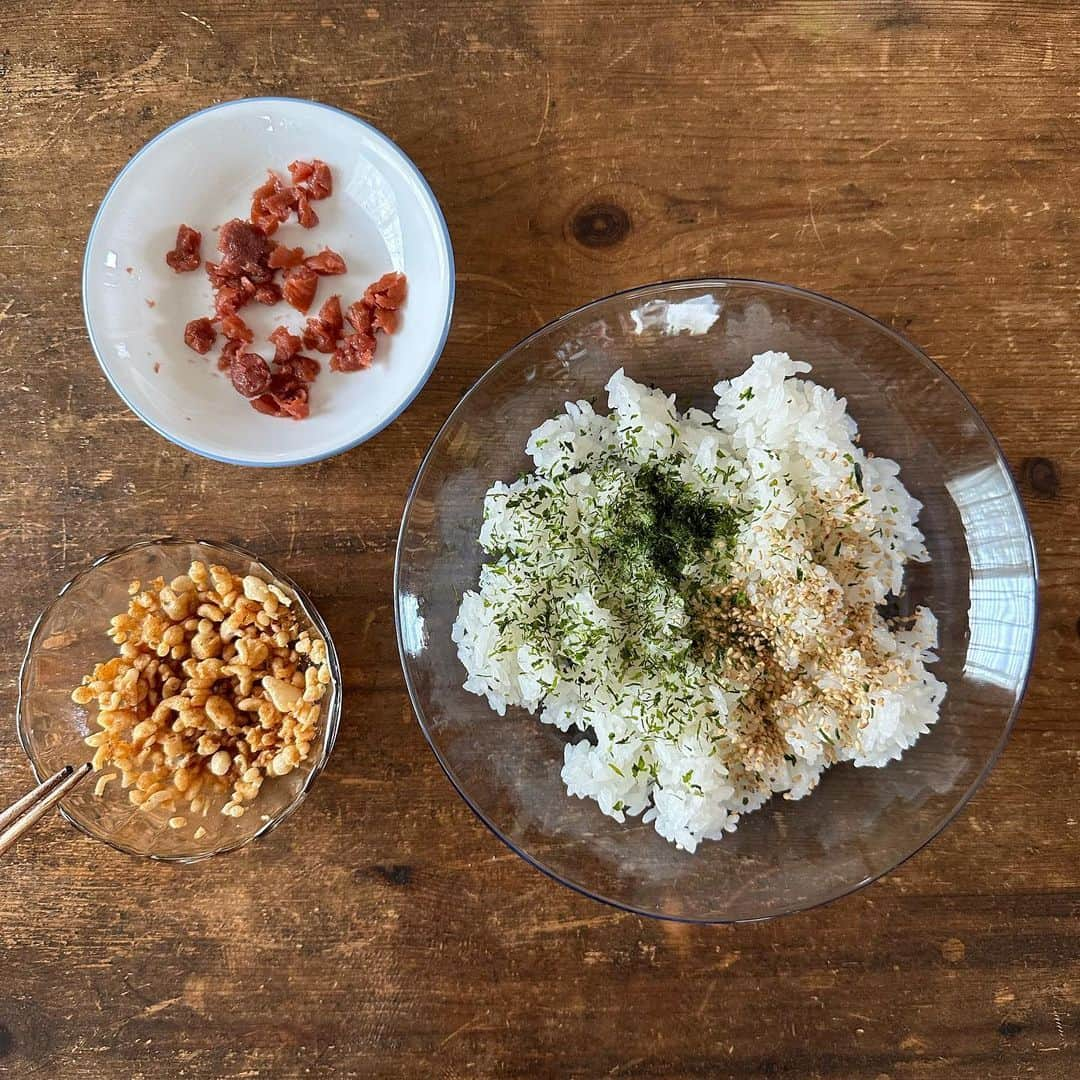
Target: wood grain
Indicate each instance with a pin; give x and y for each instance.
(916, 159)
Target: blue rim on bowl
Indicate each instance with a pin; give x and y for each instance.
(423, 185)
(710, 283)
(332, 717)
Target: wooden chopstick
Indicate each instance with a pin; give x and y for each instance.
(28, 810)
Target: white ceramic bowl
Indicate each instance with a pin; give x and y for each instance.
(381, 216)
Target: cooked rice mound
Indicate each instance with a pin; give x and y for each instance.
(697, 600)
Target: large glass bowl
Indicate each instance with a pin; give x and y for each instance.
(981, 583)
(70, 638)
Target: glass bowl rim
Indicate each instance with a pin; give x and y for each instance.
(333, 715)
(719, 283)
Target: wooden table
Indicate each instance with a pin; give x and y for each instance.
(917, 159)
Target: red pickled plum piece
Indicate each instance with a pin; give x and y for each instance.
(283, 257)
(290, 394)
(231, 349)
(286, 345)
(221, 276)
(355, 353)
(304, 212)
(185, 255)
(388, 291)
(232, 326)
(282, 204)
(304, 368)
(271, 203)
(318, 337)
(250, 374)
(246, 250)
(323, 331)
(266, 404)
(200, 335)
(359, 315)
(259, 216)
(386, 320)
(330, 313)
(312, 177)
(229, 299)
(301, 171)
(326, 262)
(321, 183)
(299, 287)
(268, 294)
(295, 407)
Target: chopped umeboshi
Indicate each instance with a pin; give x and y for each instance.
(231, 349)
(286, 345)
(320, 184)
(285, 257)
(299, 287)
(200, 335)
(229, 299)
(272, 203)
(359, 315)
(295, 406)
(323, 330)
(185, 255)
(220, 275)
(232, 326)
(305, 214)
(326, 262)
(304, 368)
(265, 403)
(301, 171)
(386, 320)
(250, 374)
(246, 250)
(388, 291)
(312, 177)
(247, 271)
(268, 294)
(353, 353)
(282, 204)
(330, 313)
(290, 394)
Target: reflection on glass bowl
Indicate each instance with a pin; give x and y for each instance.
(981, 584)
(66, 643)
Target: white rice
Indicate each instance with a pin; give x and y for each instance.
(824, 533)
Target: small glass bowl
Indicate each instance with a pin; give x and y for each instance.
(70, 638)
(981, 583)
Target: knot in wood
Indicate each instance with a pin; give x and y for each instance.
(600, 225)
(1042, 476)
